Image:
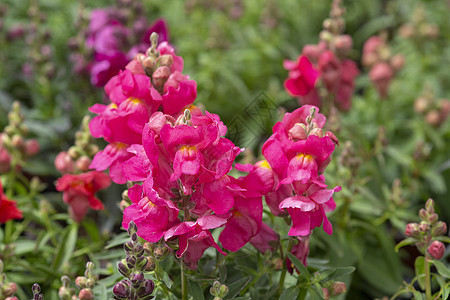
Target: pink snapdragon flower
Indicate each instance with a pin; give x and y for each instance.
(302, 76)
(79, 192)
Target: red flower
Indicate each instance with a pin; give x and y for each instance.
(79, 192)
(8, 208)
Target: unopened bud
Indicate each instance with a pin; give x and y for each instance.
(150, 264)
(122, 289)
(412, 229)
(146, 288)
(132, 228)
(165, 60)
(36, 289)
(160, 77)
(81, 282)
(440, 228)
(9, 289)
(343, 43)
(136, 279)
(424, 226)
(317, 131)
(85, 294)
(298, 132)
(436, 249)
(131, 262)
(141, 263)
(32, 147)
(82, 163)
(326, 293)
(429, 206)
(90, 283)
(423, 214)
(433, 218)
(123, 268)
(338, 288)
(421, 104)
(5, 160)
(397, 62)
(158, 252)
(433, 117)
(17, 141)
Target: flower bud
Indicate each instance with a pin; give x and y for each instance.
(83, 163)
(132, 228)
(338, 288)
(128, 247)
(317, 131)
(440, 228)
(424, 226)
(90, 283)
(141, 262)
(429, 206)
(123, 268)
(131, 261)
(397, 62)
(150, 264)
(5, 160)
(165, 60)
(64, 163)
(9, 289)
(326, 293)
(146, 289)
(343, 43)
(298, 132)
(421, 104)
(136, 279)
(138, 250)
(36, 288)
(85, 294)
(433, 218)
(17, 141)
(160, 77)
(433, 118)
(423, 214)
(122, 289)
(31, 147)
(65, 293)
(436, 249)
(81, 282)
(412, 229)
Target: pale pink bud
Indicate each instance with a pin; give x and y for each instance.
(381, 75)
(86, 294)
(436, 249)
(64, 163)
(343, 43)
(429, 206)
(397, 62)
(32, 147)
(421, 104)
(83, 163)
(433, 118)
(317, 131)
(412, 229)
(5, 160)
(338, 288)
(160, 77)
(81, 281)
(9, 289)
(326, 293)
(17, 141)
(298, 132)
(424, 226)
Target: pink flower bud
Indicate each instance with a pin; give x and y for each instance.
(411, 229)
(397, 62)
(5, 160)
(436, 249)
(326, 293)
(83, 163)
(17, 141)
(381, 75)
(421, 104)
(9, 289)
(86, 294)
(343, 43)
(160, 77)
(317, 131)
(433, 118)
(32, 147)
(424, 226)
(313, 51)
(338, 288)
(423, 214)
(64, 163)
(80, 282)
(298, 132)
(429, 206)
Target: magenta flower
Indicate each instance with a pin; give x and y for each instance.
(299, 250)
(267, 239)
(8, 208)
(302, 76)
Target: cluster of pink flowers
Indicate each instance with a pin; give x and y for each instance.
(112, 43)
(297, 154)
(179, 160)
(383, 65)
(325, 62)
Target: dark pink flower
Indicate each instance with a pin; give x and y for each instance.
(79, 192)
(266, 239)
(8, 208)
(301, 251)
(302, 76)
(112, 157)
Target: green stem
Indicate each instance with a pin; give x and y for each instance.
(427, 278)
(283, 258)
(184, 283)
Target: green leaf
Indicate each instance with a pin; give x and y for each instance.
(315, 293)
(445, 291)
(300, 266)
(341, 272)
(444, 239)
(290, 293)
(417, 295)
(195, 290)
(405, 242)
(66, 246)
(165, 278)
(237, 286)
(419, 266)
(441, 268)
(119, 239)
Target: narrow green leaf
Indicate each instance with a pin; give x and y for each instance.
(342, 272)
(66, 246)
(444, 239)
(419, 266)
(237, 286)
(290, 293)
(441, 268)
(405, 242)
(300, 266)
(314, 294)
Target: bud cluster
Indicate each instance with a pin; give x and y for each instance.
(132, 267)
(36, 289)
(218, 290)
(427, 232)
(419, 28)
(333, 289)
(78, 158)
(7, 289)
(15, 148)
(435, 111)
(377, 55)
